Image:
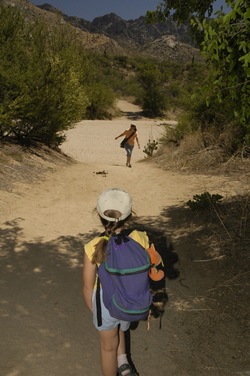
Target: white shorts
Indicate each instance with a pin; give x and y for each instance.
(108, 322)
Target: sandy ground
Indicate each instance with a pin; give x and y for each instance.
(94, 141)
(45, 326)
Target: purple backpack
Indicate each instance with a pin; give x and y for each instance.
(125, 280)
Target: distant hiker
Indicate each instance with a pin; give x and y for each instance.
(114, 207)
(130, 135)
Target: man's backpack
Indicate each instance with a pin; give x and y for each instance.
(124, 277)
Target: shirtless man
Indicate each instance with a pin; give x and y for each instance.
(131, 142)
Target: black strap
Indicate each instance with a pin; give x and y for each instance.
(127, 138)
(98, 303)
(121, 238)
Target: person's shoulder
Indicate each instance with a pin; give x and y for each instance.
(140, 237)
(90, 246)
(93, 241)
(135, 233)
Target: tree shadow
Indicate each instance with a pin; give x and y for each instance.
(130, 115)
(44, 322)
(173, 222)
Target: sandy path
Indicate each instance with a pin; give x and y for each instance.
(93, 141)
(45, 327)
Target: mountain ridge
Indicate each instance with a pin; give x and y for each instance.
(163, 40)
(110, 34)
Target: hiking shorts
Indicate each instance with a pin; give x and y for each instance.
(129, 149)
(108, 322)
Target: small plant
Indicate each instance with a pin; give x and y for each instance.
(204, 201)
(150, 147)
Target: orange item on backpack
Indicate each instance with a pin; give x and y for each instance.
(155, 258)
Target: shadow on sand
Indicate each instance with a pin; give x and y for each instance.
(43, 317)
(138, 115)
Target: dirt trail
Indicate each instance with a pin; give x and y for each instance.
(45, 327)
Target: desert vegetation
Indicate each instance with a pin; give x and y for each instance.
(220, 106)
(49, 81)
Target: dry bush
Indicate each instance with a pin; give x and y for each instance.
(224, 234)
(191, 154)
(204, 153)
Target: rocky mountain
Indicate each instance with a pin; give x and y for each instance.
(113, 35)
(98, 43)
(164, 40)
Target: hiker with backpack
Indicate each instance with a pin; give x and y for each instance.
(130, 135)
(116, 285)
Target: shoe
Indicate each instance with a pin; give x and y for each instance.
(125, 367)
(128, 165)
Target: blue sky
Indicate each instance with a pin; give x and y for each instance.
(89, 9)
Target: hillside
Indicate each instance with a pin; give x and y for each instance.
(164, 40)
(94, 42)
(111, 34)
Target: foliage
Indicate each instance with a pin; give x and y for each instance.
(151, 146)
(101, 100)
(225, 43)
(227, 46)
(40, 93)
(182, 11)
(176, 134)
(153, 98)
(204, 201)
(216, 124)
(47, 80)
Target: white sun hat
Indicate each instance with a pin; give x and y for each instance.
(114, 199)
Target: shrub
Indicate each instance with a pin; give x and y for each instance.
(101, 99)
(204, 201)
(40, 95)
(154, 101)
(150, 147)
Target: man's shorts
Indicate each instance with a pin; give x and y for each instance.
(108, 322)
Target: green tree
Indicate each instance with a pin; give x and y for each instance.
(40, 72)
(225, 43)
(13, 61)
(227, 46)
(56, 97)
(101, 99)
(154, 101)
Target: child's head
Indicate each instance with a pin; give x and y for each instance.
(114, 205)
